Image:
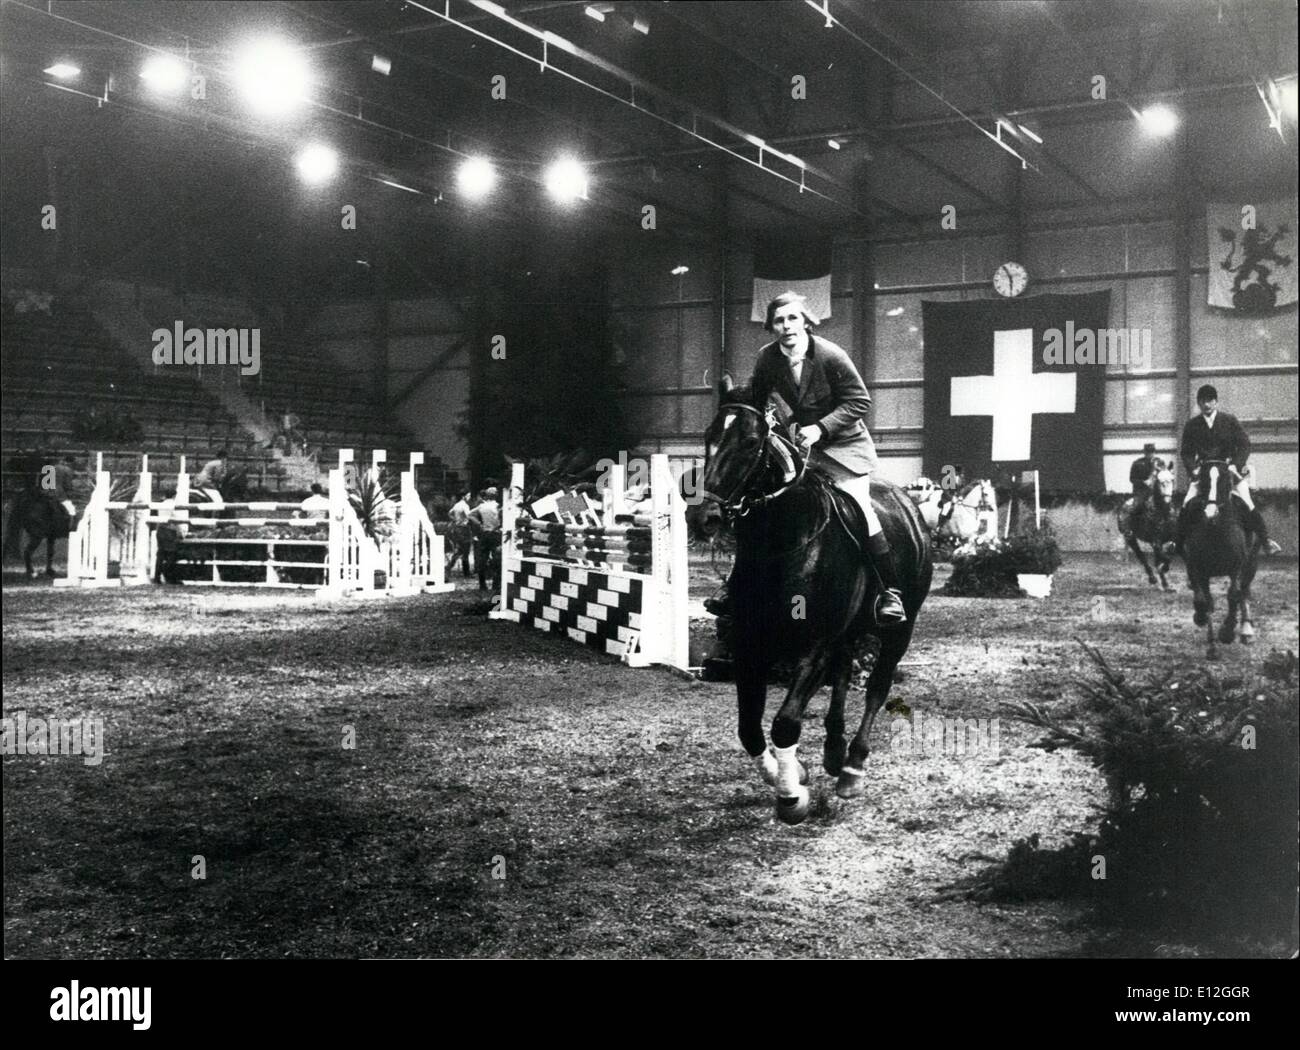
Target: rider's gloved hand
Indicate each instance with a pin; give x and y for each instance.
(809, 436)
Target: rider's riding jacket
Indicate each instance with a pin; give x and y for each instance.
(1225, 440)
(830, 395)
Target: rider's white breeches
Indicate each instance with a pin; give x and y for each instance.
(860, 489)
(856, 485)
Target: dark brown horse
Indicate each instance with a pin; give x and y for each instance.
(1153, 523)
(35, 514)
(1217, 544)
(802, 592)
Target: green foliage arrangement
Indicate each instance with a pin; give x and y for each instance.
(1199, 836)
(374, 500)
(990, 570)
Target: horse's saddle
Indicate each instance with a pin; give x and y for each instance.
(848, 513)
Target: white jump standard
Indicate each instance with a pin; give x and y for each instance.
(348, 562)
(615, 580)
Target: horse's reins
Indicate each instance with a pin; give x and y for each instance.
(747, 502)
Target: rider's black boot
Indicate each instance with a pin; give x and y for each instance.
(1255, 523)
(1175, 546)
(889, 609)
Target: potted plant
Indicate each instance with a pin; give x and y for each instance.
(374, 501)
(1034, 557)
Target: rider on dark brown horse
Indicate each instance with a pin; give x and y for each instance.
(829, 401)
(1215, 435)
(1144, 468)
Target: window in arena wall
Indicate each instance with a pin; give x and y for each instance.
(1075, 252)
(899, 338)
(1254, 397)
(899, 343)
(1149, 246)
(897, 407)
(1221, 338)
(1148, 303)
(1145, 401)
(920, 262)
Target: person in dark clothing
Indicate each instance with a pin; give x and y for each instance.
(1144, 468)
(1212, 434)
(819, 382)
(485, 520)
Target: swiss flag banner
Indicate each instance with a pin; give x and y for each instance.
(1016, 384)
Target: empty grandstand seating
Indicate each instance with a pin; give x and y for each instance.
(60, 365)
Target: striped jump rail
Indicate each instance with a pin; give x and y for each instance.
(620, 587)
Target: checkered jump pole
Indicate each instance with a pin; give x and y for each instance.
(613, 580)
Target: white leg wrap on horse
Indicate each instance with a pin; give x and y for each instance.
(767, 766)
(849, 771)
(787, 770)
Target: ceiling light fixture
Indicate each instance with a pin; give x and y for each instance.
(165, 73)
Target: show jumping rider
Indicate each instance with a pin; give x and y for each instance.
(1212, 434)
(829, 401)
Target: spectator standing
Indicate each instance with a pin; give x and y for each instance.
(485, 521)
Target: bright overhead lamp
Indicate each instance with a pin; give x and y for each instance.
(272, 76)
(1286, 91)
(64, 71)
(566, 180)
(677, 271)
(165, 73)
(1159, 119)
(476, 177)
(317, 164)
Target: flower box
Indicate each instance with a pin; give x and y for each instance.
(1034, 584)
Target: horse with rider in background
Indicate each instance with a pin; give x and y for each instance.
(1217, 543)
(44, 508)
(965, 513)
(1150, 517)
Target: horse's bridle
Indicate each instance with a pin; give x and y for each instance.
(731, 511)
(747, 501)
(1211, 496)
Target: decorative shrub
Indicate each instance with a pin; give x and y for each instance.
(1200, 833)
(990, 570)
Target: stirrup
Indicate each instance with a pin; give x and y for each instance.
(889, 607)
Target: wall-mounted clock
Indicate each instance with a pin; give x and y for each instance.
(1011, 279)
